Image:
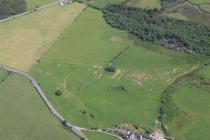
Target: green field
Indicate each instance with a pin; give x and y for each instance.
(145, 3)
(177, 16)
(100, 3)
(190, 120)
(205, 7)
(199, 2)
(24, 116)
(31, 4)
(91, 96)
(33, 34)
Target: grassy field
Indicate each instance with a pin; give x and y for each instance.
(199, 2)
(205, 7)
(145, 3)
(99, 136)
(91, 96)
(177, 16)
(100, 3)
(31, 4)
(23, 40)
(24, 116)
(190, 120)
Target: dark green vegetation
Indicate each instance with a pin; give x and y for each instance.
(98, 4)
(186, 107)
(150, 26)
(11, 7)
(24, 116)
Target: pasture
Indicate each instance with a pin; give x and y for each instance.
(190, 119)
(90, 96)
(24, 116)
(24, 39)
(145, 3)
(31, 4)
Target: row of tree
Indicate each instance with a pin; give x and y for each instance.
(150, 25)
(11, 7)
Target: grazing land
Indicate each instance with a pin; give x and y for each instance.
(23, 40)
(90, 96)
(24, 115)
(31, 4)
(191, 111)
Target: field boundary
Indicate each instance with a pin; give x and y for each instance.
(167, 92)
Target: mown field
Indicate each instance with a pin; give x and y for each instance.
(31, 4)
(91, 97)
(191, 111)
(145, 3)
(23, 40)
(24, 116)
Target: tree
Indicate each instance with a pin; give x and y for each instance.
(11, 7)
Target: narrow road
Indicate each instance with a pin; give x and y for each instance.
(30, 11)
(76, 129)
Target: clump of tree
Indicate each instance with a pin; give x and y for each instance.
(58, 92)
(11, 7)
(110, 68)
(150, 25)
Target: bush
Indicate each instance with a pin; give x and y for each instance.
(110, 68)
(58, 93)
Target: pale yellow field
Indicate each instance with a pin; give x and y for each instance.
(23, 40)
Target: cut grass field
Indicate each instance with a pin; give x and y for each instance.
(95, 98)
(31, 4)
(23, 40)
(190, 119)
(24, 116)
(145, 3)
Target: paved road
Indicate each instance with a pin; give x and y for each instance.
(30, 11)
(75, 129)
